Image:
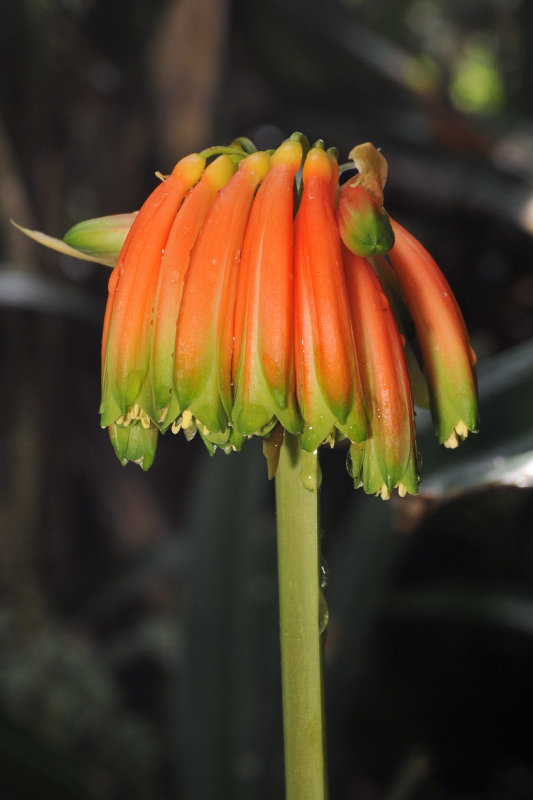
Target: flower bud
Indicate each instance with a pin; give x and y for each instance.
(102, 236)
(449, 360)
(364, 227)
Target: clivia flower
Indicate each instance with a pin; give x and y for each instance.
(252, 295)
(388, 458)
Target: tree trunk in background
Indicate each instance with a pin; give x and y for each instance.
(185, 60)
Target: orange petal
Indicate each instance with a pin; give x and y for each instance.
(328, 384)
(204, 341)
(174, 265)
(384, 371)
(263, 354)
(448, 357)
(125, 352)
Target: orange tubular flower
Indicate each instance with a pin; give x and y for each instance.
(449, 360)
(387, 460)
(263, 352)
(132, 287)
(204, 340)
(327, 375)
(233, 313)
(173, 269)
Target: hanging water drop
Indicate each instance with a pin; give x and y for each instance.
(310, 474)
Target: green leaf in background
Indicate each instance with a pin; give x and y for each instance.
(229, 713)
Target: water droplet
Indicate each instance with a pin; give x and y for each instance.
(310, 473)
(349, 465)
(309, 480)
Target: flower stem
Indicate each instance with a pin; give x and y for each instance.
(297, 485)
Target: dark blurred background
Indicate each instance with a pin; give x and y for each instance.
(138, 613)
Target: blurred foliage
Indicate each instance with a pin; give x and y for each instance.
(138, 625)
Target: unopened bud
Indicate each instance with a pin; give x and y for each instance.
(364, 227)
(102, 236)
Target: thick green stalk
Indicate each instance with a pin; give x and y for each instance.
(297, 485)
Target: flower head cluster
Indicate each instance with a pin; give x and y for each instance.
(253, 294)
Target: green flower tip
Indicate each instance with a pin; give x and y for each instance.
(134, 442)
(365, 468)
